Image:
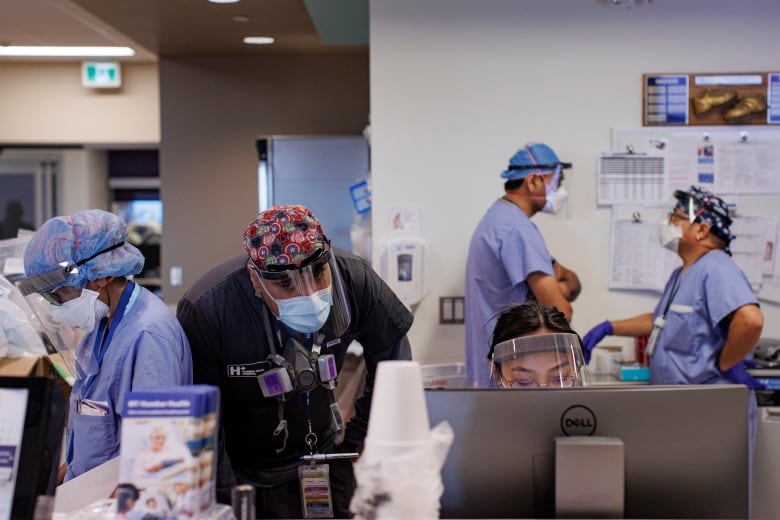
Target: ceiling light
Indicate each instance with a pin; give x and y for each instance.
(223, 1)
(240, 18)
(258, 40)
(41, 50)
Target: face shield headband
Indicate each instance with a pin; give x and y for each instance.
(317, 278)
(549, 168)
(543, 360)
(45, 283)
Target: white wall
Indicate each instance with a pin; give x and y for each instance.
(457, 86)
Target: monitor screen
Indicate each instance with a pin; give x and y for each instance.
(31, 428)
(686, 448)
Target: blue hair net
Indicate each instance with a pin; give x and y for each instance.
(533, 158)
(62, 241)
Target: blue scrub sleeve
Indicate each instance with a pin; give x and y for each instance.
(723, 294)
(157, 361)
(523, 252)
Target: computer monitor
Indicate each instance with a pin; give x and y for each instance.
(686, 448)
(32, 423)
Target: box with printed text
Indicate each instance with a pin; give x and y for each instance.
(167, 453)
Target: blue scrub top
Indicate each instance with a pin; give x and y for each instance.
(148, 348)
(690, 343)
(505, 248)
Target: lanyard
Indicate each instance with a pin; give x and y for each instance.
(104, 333)
(672, 293)
(660, 321)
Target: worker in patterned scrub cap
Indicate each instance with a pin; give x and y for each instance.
(81, 265)
(708, 319)
(271, 328)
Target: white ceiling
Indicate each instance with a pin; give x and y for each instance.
(167, 28)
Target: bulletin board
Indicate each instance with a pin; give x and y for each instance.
(638, 177)
(711, 99)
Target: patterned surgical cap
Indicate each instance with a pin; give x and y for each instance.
(62, 241)
(283, 235)
(708, 209)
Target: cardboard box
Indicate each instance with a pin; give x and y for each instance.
(38, 366)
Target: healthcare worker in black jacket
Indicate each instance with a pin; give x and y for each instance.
(271, 329)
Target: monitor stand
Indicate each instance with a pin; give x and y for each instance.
(589, 477)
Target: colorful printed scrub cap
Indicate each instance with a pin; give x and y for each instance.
(283, 235)
(707, 209)
(68, 240)
(534, 158)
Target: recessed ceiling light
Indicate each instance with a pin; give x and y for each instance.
(240, 18)
(223, 1)
(42, 50)
(258, 40)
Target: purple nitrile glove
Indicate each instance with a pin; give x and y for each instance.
(739, 375)
(593, 337)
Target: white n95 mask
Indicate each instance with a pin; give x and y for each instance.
(669, 235)
(82, 312)
(306, 314)
(555, 200)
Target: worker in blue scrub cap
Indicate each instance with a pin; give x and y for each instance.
(80, 264)
(508, 261)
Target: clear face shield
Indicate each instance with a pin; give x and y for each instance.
(43, 292)
(308, 296)
(543, 361)
(60, 338)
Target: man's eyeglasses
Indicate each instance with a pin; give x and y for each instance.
(674, 217)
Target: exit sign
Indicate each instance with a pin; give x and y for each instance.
(101, 74)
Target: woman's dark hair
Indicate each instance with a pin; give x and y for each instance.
(522, 319)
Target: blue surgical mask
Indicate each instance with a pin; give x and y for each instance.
(306, 314)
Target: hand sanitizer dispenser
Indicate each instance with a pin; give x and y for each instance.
(404, 266)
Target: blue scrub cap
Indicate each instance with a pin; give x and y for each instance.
(707, 209)
(67, 240)
(533, 158)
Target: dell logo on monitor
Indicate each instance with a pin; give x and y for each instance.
(578, 420)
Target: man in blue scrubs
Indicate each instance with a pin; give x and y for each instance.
(708, 319)
(80, 264)
(508, 261)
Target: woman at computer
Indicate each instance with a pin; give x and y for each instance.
(533, 346)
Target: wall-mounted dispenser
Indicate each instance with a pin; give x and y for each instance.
(404, 266)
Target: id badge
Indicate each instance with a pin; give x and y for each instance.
(315, 490)
(658, 324)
